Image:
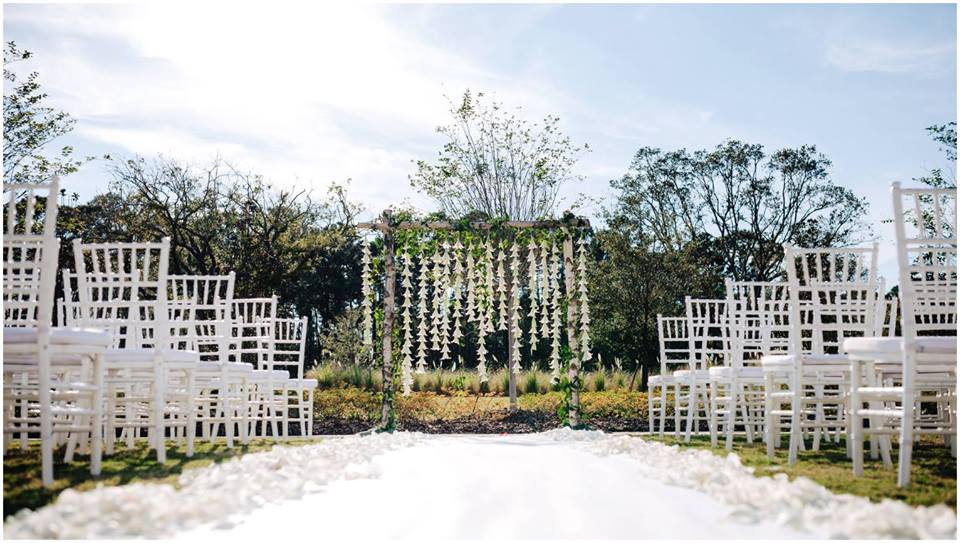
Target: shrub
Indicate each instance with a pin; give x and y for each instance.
(532, 386)
(599, 382)
(347, 403)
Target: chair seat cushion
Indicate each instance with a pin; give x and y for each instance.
(726, 372)
(207, 366)
(145, 357)
(263, 375)
(894, 345)
(785, 360)
(303, 383)
(686, 375)
(59, 336)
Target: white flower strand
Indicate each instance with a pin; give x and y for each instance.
(488, 300)
(515, 308)
(444, 281)
(532, 289)
(555, 273)
(457, 285)
(406, 373)
(545, 286)
(501, 292)
(471, 272)
(422, 315)
(584, 301)
(366, 292)
(436, 281)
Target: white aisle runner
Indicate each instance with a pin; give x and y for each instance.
(558, 484)
(497, 487)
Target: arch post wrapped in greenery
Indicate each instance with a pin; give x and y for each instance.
(492, 251)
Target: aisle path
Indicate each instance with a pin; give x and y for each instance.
(497, 487)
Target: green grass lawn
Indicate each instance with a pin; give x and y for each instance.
(21, 470)
(934, 476)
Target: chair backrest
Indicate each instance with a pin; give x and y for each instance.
(290, 344)
(122, 287)
(926, 231)
(210, 302)
(253, 334)
(709, 331)
(30, 253)
(675, 345)
(759, 319)
(834, 294)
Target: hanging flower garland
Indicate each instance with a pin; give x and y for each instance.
(444, 288)
(545, 284)
(406, 372)
(422, 314)
(532, 289)
(435, 303)
(457, 286)
(501, 290)
(515, 308)
(488, 292)
(471, 272)
(366, 292)
(584, 300)
(557, 320)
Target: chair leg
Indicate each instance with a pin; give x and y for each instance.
(713, 414)
(663, 407)
(773, 434)
(159, 401)
(855, 420)
(96, 422)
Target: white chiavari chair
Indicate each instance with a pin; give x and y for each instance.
(253, 337)
(221, 385)
(52, 376)
(290, 342)
(675, 350)
(833, 295)
(122, 287)
(755, 326)
(920, 367)
(710, 343)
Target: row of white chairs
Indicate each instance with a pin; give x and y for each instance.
(138, 349)
(825, 355)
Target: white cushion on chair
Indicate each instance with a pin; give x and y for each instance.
(145, 357)
(279, 376)
(726, 372)
(232, 367)
(894, 345)
(686, 375)
(303, 383)
(783, 360)
(94, 337)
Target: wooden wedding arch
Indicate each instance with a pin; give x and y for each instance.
(388, 227)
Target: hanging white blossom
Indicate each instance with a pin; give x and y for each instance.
(444, 284)
(546, 293)
(502, 300)
(422, 314)
(457, 286)
(532, 290)
(436, 284)
(584, 301)
(406, 372)
(556, 321)
(515, 330)
(488, 300)
(471, 272)
(366, 292)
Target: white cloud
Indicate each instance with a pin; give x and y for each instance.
(877, 56)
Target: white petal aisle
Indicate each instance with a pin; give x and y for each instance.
(361, 487)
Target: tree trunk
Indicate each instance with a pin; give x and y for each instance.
(387, 417)
(573, 372)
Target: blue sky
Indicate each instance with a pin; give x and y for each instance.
(308, 96)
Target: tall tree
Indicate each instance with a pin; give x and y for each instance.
(29, 125)
(746, 202)
(946, 137)
(497, 163)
